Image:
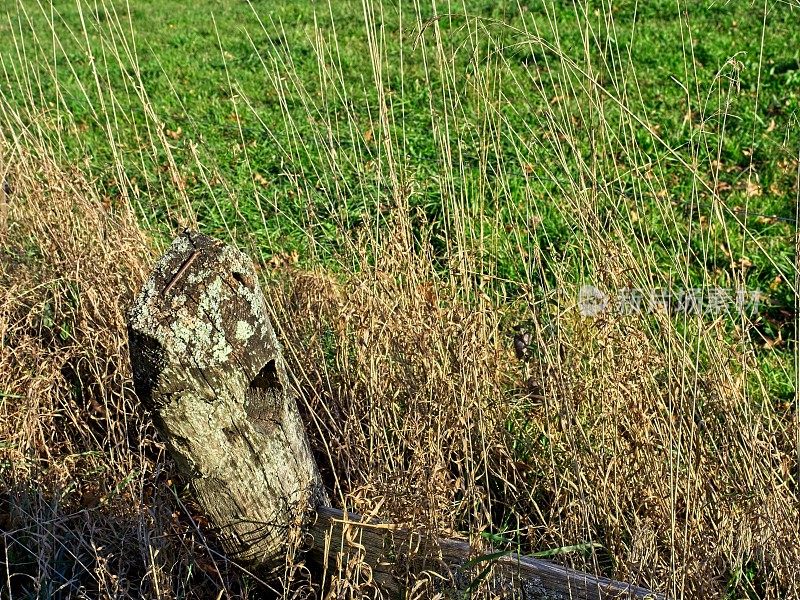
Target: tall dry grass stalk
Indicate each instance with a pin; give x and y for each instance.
(86, 502)
(651, 443)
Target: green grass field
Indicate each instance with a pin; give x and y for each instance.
(296, 125)
(520, 150)
(250, 87)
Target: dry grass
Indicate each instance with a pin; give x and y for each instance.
(86, 504)
(657, 440)
(418, 409)
(423, 413)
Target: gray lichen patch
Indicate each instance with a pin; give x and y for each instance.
(260, 317)
(244, 331)
(180, 244)
(141, 314)
(209, 306)
(198, 331)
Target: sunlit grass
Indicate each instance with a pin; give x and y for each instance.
(424, 181)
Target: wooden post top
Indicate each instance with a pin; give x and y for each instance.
(200, 311)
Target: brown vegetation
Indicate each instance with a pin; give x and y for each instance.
(626, 446)
(418, 409)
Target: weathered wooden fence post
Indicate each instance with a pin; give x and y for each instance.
(208, 366)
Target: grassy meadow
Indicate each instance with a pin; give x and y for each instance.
(418, 183)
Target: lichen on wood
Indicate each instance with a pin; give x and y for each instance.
(207, 364)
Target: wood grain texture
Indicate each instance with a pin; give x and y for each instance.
(208, 366)
(395, 558)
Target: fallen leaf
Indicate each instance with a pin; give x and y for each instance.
(774, 342)
(752, 189)
(283, 260)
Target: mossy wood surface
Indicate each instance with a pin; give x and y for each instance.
(208, 366)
